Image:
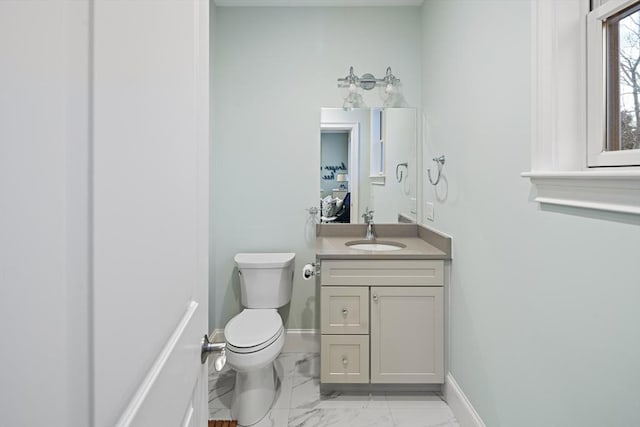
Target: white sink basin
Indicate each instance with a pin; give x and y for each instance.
(375, 246)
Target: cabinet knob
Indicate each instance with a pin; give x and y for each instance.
(375, 297)
(345, 361)
(345, 312)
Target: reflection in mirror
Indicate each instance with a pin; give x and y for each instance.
(368, 159)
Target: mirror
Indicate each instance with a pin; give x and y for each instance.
(368, 159)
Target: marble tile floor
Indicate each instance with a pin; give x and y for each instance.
(299, 401)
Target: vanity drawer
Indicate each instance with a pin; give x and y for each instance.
(382, 272)
(345, 310)
(344, 359)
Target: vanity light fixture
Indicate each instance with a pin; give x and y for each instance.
(389, 88)
(388, 84)
(353, 83)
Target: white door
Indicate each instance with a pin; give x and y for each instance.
(104, 215)
(150, 211)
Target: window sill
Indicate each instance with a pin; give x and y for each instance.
(612, 191)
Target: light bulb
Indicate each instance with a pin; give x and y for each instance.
(390, 89)
(353, 88)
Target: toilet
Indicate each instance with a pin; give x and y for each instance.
(255, 337)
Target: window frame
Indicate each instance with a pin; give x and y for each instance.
(560, 174)
(597, 85)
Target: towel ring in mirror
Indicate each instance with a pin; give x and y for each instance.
(399, 175)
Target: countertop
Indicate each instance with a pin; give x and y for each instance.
(420, 242)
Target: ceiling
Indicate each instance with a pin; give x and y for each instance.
(317, 3)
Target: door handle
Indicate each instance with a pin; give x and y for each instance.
(210, 347)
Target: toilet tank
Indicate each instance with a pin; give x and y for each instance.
(266, 279)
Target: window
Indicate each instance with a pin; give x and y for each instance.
(623, 91)
(572, 162)
(376, 168)
(613, 74)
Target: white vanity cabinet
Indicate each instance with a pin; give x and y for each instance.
(382, 321)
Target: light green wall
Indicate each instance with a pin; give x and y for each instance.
(543, 316)
(274, 68)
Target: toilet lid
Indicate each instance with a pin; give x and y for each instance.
(252, 328)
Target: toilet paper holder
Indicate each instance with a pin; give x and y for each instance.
(208, 347)
(310, 270)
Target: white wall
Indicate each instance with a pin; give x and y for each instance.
(544, 304)
(274, 68)
(44, 295)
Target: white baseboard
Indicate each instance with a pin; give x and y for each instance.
(460, 405)
(302, 341)
(217, 335)
(296, 341)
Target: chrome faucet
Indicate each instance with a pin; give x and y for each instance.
(368, 219)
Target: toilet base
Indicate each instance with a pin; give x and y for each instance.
(253, 394)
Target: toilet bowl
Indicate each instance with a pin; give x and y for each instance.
(255, 337)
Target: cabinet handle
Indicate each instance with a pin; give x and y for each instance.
(345, 312)
(345, 361)
(375, 297)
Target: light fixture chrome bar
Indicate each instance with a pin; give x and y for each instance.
(368, 81)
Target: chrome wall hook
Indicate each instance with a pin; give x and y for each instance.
(440, 162)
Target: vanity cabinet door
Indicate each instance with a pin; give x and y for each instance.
(345, 359)
(345, 309)
(407, 335)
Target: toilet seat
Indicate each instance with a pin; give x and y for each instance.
(253, 330)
